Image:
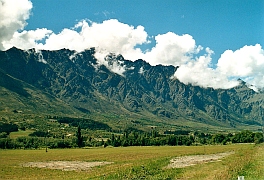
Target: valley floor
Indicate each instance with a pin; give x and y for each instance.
(208, 162)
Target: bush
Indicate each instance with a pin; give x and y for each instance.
(3, 135)
(4, 127)
(39, 134)
(59, 143)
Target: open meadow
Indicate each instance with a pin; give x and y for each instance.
(134, 163)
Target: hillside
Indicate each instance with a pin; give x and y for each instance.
(74, 84)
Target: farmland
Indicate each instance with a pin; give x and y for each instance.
(136, 162)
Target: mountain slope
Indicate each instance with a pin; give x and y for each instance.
(122, 87)
(16, 95)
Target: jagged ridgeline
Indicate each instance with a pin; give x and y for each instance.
(77, 84)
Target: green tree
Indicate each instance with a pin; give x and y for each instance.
(218, 138)
(79, 137)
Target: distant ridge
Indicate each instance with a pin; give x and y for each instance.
(66, 82)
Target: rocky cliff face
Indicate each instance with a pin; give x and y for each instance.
(89, 86)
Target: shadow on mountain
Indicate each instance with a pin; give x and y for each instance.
(12, 84)
(86, 111)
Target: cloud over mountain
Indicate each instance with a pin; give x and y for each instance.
(246, 63)
(172, 49)
(112, 36)
(200, 73)
(14, 14)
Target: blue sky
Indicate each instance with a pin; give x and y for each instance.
(214, 42)
(217, 24)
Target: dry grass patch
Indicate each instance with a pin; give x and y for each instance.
(66, 165)
(184, 161)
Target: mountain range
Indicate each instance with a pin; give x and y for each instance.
(65, 82)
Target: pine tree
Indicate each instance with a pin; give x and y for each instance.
(79, 137)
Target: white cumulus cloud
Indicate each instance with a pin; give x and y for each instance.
(108, 36)
(27, 39)
(246, 63)
(199, 72)
(172, 49)
(13, 16)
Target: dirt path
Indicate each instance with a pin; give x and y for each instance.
(184, 161)
(66, 165)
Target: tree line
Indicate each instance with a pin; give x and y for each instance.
(197, 138)
(132, 138)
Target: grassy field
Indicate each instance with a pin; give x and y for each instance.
(14, 135)
(137, 163)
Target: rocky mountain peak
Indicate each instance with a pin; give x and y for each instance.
(85, 83)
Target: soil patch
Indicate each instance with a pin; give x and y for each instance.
(184, 161)
(66, 165)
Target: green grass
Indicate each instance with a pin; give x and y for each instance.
(254, 169)
(135, 163)
(14, 135)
